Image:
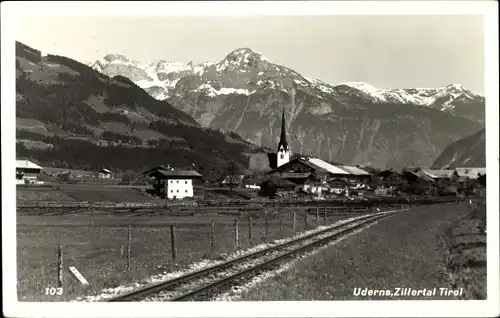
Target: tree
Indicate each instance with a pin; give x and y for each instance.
(231, 174)
(268, 189)
(127, 177)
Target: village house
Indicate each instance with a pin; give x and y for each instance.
(321, 169)
(419, 182)
(316, 186)
(482, 180)
(466, 178)
(469, 173)
(357, 176)
(337, 186)
(104, 174)
(382, 190)
(176, 184)
(272, 185)
(299, 178)
(391, 178)
(27, 171)
(441, 177)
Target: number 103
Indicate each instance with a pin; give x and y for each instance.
(53, 291)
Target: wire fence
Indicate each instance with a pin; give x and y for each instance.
(113, 250)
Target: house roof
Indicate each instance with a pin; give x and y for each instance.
(423, 176)
(428, 173)
(177, 173)
(420, 175)
(387, 172)
(319, 164)
(26, 164)
(162, 167)
(439, 174)
(294, 175)
(355, 170)
(278, 181)
(471, 173)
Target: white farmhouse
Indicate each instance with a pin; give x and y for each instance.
(176, 184)
(27, 171)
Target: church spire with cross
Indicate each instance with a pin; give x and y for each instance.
(283, 148)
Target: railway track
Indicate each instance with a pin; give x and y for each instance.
(204, 283)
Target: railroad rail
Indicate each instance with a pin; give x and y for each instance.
(194, 284)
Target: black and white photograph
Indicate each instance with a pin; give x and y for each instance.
(250, 159)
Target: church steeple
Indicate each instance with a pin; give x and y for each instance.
(283, 149)
(283, 142)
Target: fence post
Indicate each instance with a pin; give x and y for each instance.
(305, 219)
(317, 216)
(249, 230)
(129, 243)
(281, 220)
(59, 266)
(172, 241)
(266, 220)
(212, 239)
(294, 218)
(324, 215)
(236, 241)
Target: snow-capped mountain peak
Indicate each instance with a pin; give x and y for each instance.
(246, 53)
(244, 72)
(112, 59)
(444, 96)
(171, 66)
(243, 58)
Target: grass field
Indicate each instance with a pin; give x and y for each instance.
(85, 193)
(95, 242)
(24, 195)
(111, 193)
(404, 250)
(465, 241)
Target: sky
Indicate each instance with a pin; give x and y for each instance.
(385, 51)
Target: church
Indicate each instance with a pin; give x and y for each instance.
(282, 165)
(266, 162)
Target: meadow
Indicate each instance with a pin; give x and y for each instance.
(96, 240)
(405, 250)
(96, 243)
(465, 243)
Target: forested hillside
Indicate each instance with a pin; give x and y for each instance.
(69, 115)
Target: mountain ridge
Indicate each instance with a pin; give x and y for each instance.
(469, 151)
(162, 85)
(68, 114)
(244, 92)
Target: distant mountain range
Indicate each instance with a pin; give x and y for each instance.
(69, 115)
(352, 123)
(466, 152)
(160, 78)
